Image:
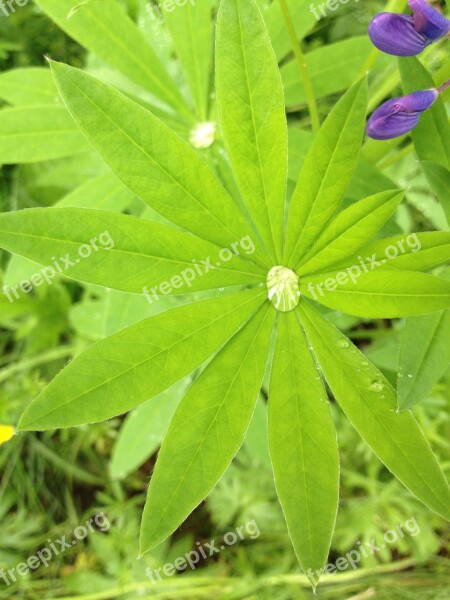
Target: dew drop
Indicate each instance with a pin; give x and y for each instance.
(343, 343)
(377, 386)
(410, 376)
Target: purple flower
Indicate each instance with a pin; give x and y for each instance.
(399, 115)
(403, 35)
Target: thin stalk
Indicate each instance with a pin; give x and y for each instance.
(36, 361)
(179, 587)
(300, 57)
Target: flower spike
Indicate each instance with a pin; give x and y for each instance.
(404, 35)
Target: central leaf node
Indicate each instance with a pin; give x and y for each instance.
(283, 292)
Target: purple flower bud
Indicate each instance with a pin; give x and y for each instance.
(399, 115)
(403, 35)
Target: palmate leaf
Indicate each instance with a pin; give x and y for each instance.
(252, 116)
(123, 252)
(303, 446)
(207, 430)
(370, 403)
(133, 365)
(326, 173)
(152, 160)
(234, 332)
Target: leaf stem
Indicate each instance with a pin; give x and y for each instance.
(36, 361)
(300, 57)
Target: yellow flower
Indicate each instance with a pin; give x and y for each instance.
(6, 433)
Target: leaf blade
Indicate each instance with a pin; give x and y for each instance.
(172, 343)
(123, 252)
(207, 430)
(150, 159)
(106, 30)
(301, 430)
(326, 173)
(379, 294)
(191, 31)
(370, 403)
(424, 356)
(252, 116)
(350, 230)
(30, 134)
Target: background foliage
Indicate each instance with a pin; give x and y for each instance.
(52, 482)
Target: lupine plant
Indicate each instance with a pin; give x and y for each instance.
(267, 322)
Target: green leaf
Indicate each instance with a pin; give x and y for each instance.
(252, 116)
(191, 30)
(146, 358)
(326, 173)
(350, 230)
(431, 137)
(332, 68)
(31, 134)
(256, 439)
(105, 29)
(302, 16)
(123, 252)
(378, 293)
(30, 85)
(207, 430)
(106, 311)
(144, 430)
(439, 180)
(424, 356)
(104, 192)
(367, 179)
(407, 252)
(370, 403)
(151, 159)
(303, 446)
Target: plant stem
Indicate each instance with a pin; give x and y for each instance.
(36, 361)
(300, 57)
(199, 586)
